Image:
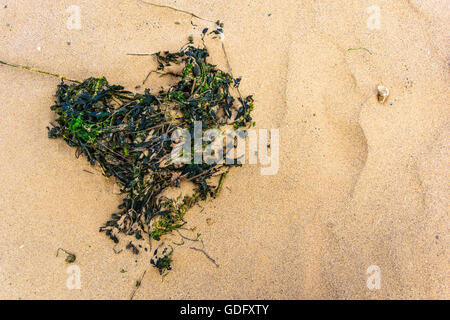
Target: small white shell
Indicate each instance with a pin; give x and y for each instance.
(382, 93)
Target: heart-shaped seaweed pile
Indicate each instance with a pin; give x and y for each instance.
(128, 135)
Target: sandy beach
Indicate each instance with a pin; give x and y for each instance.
(361, 185)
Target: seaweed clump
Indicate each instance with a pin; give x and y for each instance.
(128, 135)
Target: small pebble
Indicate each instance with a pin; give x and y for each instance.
(382, 93)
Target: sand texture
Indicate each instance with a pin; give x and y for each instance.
(360, 183)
